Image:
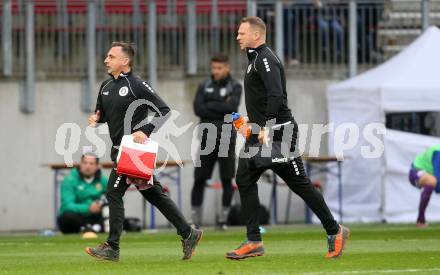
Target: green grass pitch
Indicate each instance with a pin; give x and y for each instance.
(372, 249)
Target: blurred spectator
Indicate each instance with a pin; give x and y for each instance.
(291, 28)
(368, 17)
(81, 193)
(316, 15)
(330, 26)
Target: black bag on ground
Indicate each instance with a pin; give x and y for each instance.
(132, 225)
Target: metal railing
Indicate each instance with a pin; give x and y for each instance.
(331, 38)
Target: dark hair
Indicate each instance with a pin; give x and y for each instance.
(127, 49)
(90, 154)
(222, 58)
(255, 21)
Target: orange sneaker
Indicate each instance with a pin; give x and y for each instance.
(336, 243)
(246, 250)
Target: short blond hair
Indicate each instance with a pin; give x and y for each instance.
(255, 22)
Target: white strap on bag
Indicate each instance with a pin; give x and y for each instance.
(148, 146)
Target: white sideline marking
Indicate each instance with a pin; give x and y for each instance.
(376, 271)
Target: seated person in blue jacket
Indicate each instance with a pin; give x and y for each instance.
(425, 174)
(81, 193)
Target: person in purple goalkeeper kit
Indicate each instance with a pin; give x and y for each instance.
(425, 174)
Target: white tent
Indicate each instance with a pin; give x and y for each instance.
(376, 189)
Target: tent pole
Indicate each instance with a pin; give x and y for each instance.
(426, 7)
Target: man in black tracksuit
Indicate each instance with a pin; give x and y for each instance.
(266, 103)
(117, 98)
(216, 97)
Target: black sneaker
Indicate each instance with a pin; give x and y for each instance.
(103, 252)
(190, 243)
(86, 228)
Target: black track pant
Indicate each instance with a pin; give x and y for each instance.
(295, 177)
(70, 222)
(198, 191)
(115, 191)
(204, 172)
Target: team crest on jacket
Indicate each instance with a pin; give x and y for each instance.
(223, 92)
(123, 91)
